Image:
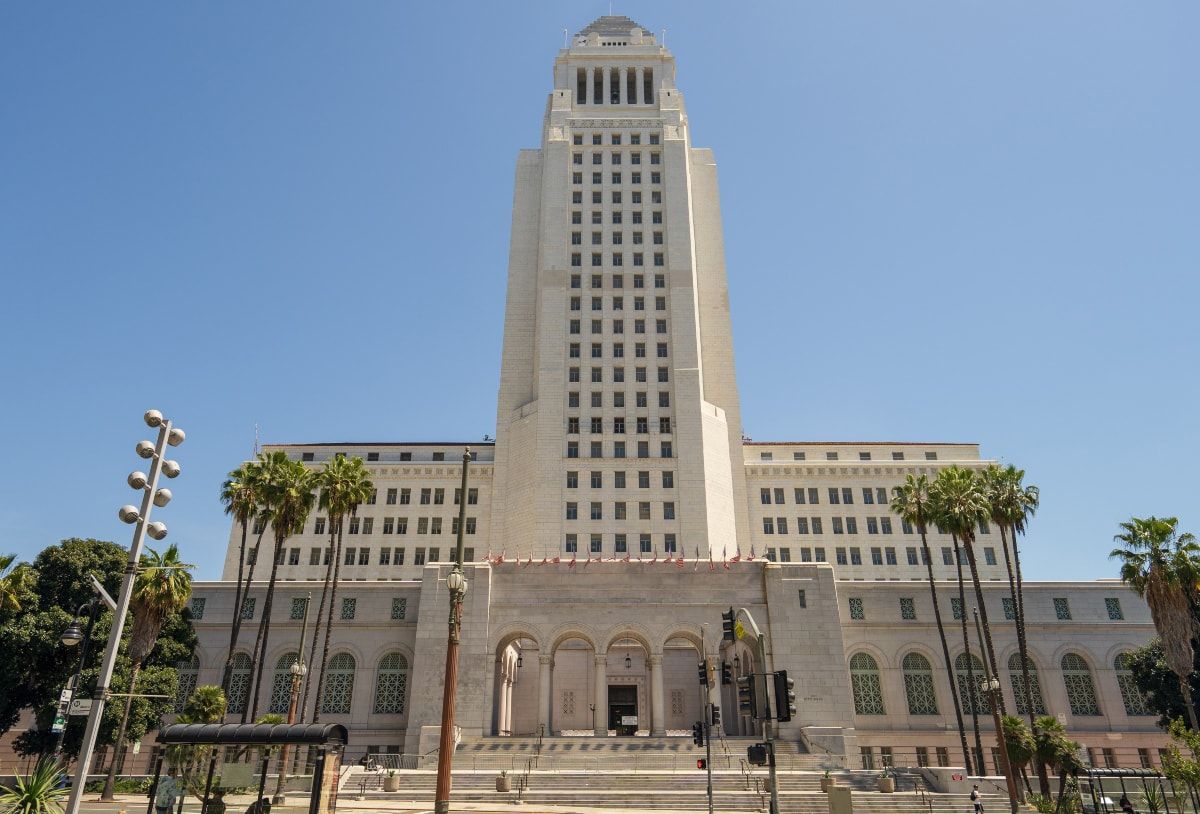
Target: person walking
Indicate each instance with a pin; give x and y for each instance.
(1126, 806)
(976, 799)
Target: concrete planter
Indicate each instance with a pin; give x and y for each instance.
(826, 783)
(503, 782)
(391, 782)
(886, 785)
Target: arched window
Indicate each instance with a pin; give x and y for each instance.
(391, 684)
(968, 685)
(188, 672)
(918, 685)
(1131, 694)
(239, 684)
(1017, 680)
(864, 681)
(1081, 692)
(339, 685)
(281, 684)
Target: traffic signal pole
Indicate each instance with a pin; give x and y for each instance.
(708, 753)
(761, 655)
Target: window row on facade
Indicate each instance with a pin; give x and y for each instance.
(595, 479)
(617, 259)
(616, 139)
(618, 374)
(596, 281)
(921, 695)
(389, 684)
(616, 197)
(349, 605)
(647, 543)
(640, 425)
(618, 450)
(640, 399)
(929, 455)
(1060, 604)
(614, 86)
(616, 158)
(620, 510)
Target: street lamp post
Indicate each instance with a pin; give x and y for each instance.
(140, 519)
(71, 637)
(299, 669)
(991, 690)
(456, 584)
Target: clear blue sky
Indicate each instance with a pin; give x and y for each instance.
(955, 221)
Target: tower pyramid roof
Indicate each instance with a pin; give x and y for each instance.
(611, 25)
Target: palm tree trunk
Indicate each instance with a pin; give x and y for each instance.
(317, 627)
(337, 571)
(962, 615)
(937, 615)
(1023, 650)
(110, 780)
(244, 593)
(990, 655)
(264, 634)
(237, 607)
(1186, 689)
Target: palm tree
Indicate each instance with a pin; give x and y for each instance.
(240, 493)
(1019, 502)
(961, 506)
(16, 580)
(344, 485)
(288, 489)
(910, 502)
(972, 686)
(1052, 747)
(1162, 567)
(162, 587)
(1018, 742)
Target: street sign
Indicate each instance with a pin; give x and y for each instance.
(64, 697)
(739, 630)
(60, 723)
(81, 706)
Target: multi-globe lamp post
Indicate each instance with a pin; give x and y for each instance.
(139, 518)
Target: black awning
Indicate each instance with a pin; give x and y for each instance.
(254, 734)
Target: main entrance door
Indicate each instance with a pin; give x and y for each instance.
(623, 709)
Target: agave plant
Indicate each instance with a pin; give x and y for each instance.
(39, 792)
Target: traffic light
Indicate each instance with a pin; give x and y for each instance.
(702, 669)
(756, 755)
(727, 629)
(715, 718)
(785, 696)
(745, 693)
(726, 673)
(698, 733)
(701, 764)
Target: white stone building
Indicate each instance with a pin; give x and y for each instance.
(619, 510)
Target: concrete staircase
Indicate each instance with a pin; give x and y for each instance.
(647, 773)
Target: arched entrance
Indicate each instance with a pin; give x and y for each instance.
(574, 702)
(520, 690)
(628, 707)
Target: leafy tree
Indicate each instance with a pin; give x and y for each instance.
(35, 680)
(1163, 567)
(1018, 743)
(910, 501)
(1183, 769)
(163, 587)
(1159, 684)
(59, 586)
(344, 485)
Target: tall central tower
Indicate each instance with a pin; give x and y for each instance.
(618, 426)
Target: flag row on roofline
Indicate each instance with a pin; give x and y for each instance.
(678, 561)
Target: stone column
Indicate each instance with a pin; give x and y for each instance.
(658, 709)
(546, 666)
(604, 99)
(624, 89)
(591, 83)
(601, 695)
(502, 700)
(508, 705)
(637, 91)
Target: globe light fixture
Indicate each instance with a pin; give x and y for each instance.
(72, 635)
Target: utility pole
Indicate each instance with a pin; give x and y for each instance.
(708, 717)
(733, 630)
